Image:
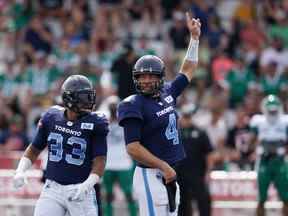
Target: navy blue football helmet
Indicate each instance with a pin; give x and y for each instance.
(78, 94)
(149, 64)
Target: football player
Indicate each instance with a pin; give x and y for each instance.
(77, 146)
(150, 126)
(270, 134)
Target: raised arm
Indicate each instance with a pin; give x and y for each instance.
(190, 61)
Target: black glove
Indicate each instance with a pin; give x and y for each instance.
(171, 189)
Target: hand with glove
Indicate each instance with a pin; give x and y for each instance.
(84, 188)
(171, 189)
(20, 179)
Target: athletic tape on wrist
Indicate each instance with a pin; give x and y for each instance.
(24, 164)
(192, 52)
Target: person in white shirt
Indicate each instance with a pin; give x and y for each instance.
(119, 165)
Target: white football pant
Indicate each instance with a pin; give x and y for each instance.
(54, 201)
(151, 193)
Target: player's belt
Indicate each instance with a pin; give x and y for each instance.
(143, 166)
(174, 166)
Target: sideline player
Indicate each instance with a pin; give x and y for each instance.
(150, 126)
(77, 146)
(270, 132)
(119, 165)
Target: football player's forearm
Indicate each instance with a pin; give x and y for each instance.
(28, 158)
(190, 61)
(143, 156)
(31, 153)
(98, 166)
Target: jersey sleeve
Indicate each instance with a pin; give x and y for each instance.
(40, 139)
(99, 139)
(128, 109)
(132, 130)
(178, 85)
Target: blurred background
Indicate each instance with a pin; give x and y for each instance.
(243, 57)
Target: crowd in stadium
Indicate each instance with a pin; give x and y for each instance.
(242, 57)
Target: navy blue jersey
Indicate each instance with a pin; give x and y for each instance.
(72, 146)
(159, 132)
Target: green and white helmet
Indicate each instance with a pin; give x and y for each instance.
(271, 107)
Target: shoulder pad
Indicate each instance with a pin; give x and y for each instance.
(98, 114)
(56, 107)
(285, 118)
(51, 111)
(256, 120)
(130, 108)
(132, 98)
(100, 122)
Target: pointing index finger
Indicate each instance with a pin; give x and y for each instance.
(188, 15)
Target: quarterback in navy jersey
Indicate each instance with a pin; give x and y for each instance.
(77, 147)
(151, 131)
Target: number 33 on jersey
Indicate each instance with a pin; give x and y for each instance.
(72, 145)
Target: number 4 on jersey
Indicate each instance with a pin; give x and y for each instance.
(171, 132)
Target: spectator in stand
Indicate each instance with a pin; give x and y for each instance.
(220, 66)
(271, 81)
(10, 80)
(239, 81)
(122, 71)
(179, 32)
(280, 27)
(21, 13)
(214, 123)
(251, 103)
(66, 56)
(38, 35)
(238, 141)
(14, 138)
(245, 11)
(179, 35)
(275, 52)
(253, 36)
(40, 76)
(215, 32)
(203, 10)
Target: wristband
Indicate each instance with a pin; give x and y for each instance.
(24, 164)
(92, 180)
(192, 52)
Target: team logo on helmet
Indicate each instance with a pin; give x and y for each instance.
(271, 107)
